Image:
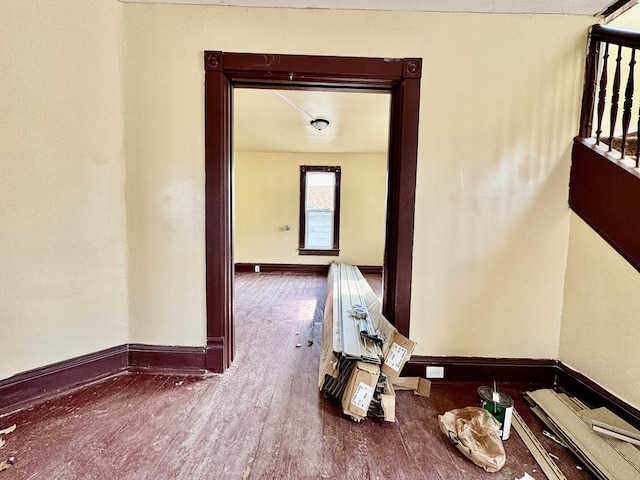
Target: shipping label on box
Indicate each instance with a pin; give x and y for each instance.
(397, 354)
(362, 396)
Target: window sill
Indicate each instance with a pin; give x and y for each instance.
(332, 252)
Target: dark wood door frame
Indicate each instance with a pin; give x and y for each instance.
(223, 70)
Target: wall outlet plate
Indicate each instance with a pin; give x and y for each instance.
(435, 372)
(256, 268)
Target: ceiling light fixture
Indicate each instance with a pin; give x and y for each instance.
(318, 123)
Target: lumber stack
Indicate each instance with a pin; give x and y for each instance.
(361, 352)
(607, 456)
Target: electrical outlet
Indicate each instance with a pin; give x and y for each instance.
(256, 268)
(435, 372)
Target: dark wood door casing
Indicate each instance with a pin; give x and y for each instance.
(223, 70)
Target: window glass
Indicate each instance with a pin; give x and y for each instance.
(319, 210)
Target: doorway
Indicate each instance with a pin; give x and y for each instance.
(399, 77)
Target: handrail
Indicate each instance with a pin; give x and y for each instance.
(619, 36)
(619, 44)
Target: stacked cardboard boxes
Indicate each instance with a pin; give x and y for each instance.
(362, 352)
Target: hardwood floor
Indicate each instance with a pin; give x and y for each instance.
(263, 419)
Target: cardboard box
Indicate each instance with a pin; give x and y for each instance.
(397, 352)
(388, 399)
(360, 389)
(328, 358)
(420, 386)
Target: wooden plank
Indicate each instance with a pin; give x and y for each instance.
(609, 423)
(605, 415)
(547, 465)
(605, 459)
(615, 432)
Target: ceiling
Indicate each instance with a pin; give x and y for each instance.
(279, 121)
(570, 7)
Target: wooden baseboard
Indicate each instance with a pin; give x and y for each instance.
(541, 373)
(593, 394)
(299, 268)
(33, 386)
(167, 359)
(38, 384)
(467, 369)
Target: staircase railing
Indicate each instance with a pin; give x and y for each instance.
(612, 54)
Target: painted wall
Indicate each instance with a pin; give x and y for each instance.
(63, 265)
(500, 99)
(601, 303)
(600, 325)
(267, 197)
(629, 19)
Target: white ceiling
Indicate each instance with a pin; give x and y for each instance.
(571, 7)
(278, 121)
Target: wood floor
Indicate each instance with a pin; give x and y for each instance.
(263, 419)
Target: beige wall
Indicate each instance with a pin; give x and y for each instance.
(629, 19)
(63, 270)
(500, 97)
(600, 324)
(267, 197)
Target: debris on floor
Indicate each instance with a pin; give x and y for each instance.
(420, 386)
(11, 460)
(572, 422)
(6, 463)
(526, 476)
(361, 351)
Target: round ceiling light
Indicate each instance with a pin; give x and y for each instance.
(319, 123)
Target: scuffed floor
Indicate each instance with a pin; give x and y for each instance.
(263, 419)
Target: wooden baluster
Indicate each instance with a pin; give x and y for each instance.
(615, 97)
(638, 142)
(628, 104)
(602, 97)
(589, 90)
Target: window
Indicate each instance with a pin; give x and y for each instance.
(319, 210)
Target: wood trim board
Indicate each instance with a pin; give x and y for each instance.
(400, 77)
(603, 191)
(465, 369)
(40, 384)
(598, 454)
(547, 465)
(50, 380)
(299, 268)
(593, 394)
(166, 359)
